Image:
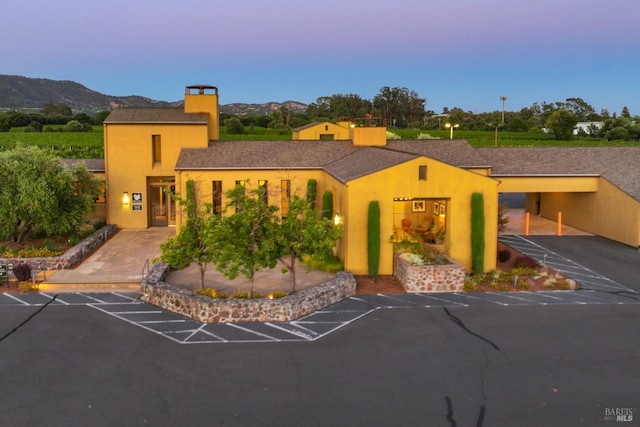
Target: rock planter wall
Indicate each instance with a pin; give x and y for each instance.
(71, 257)
(429, 278)
(210, 310)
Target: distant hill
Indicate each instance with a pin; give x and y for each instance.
(17, 92)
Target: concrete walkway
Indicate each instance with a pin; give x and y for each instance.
(537, 225)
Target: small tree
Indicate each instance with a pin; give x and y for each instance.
(373, 238)
(38, 194)
(561, 122)
(327, 204)
(247, 239)
(192, 244)
(302, 231)
(234, 126)
(477, 233)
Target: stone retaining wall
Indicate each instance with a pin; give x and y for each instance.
(210, 310)
(429, 278)
(71, 257)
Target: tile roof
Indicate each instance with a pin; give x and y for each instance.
(619, 165)
(92, 165)
(131, 115)
(456, 152)
(341, 159)
(365, 161)
(263, 154)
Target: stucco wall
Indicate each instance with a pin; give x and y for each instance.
(401, 181)
(609, 212)
(129, 161)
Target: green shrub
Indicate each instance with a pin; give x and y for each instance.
(477, 233)
(277, 295)
(27, 286)
(525, 262)
(312, 189)
(373, 239)
(327, 204)
(50, 246)
(330, 264)
(212, 293)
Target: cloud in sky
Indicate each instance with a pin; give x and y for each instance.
(460, 53)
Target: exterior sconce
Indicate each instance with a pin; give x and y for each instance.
(337, 219)
(125, 199)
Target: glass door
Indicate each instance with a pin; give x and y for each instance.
(162, 207)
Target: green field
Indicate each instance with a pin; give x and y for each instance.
(71, 145)
(90, 144)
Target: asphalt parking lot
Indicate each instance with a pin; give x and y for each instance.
(446, 359)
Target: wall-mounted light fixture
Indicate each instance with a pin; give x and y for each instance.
(337, 219)
(125, 198)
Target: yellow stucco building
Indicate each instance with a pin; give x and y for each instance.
(422, 186)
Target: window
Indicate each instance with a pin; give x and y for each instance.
(422, 172)
(285, 196)
(217, 197)
(262, 184)
(156, 148)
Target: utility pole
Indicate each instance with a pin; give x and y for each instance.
(503, 99)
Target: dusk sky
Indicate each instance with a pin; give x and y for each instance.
(458, 53)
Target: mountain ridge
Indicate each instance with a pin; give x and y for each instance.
(19, 92)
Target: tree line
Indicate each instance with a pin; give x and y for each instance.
(51, 114)
(402, 108)
(399, 107)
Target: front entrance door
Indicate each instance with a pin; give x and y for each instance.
(162, 210)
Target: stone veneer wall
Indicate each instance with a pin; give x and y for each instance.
(210, 310)
(71, 257)
(429, 278)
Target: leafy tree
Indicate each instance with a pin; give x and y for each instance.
(561, 123)
(246, 240)
(399, 106)
(192, 244)
(303, 231)
(51, 109)
(581, 109)
(625, 113)
(38, 194)
(617, 133)
(73, 126)
(234, 126)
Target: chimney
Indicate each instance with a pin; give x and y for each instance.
(204, 99)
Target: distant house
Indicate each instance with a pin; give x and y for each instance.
(589, 128)
(322, 131)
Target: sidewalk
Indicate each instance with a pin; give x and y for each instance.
(538, 226)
